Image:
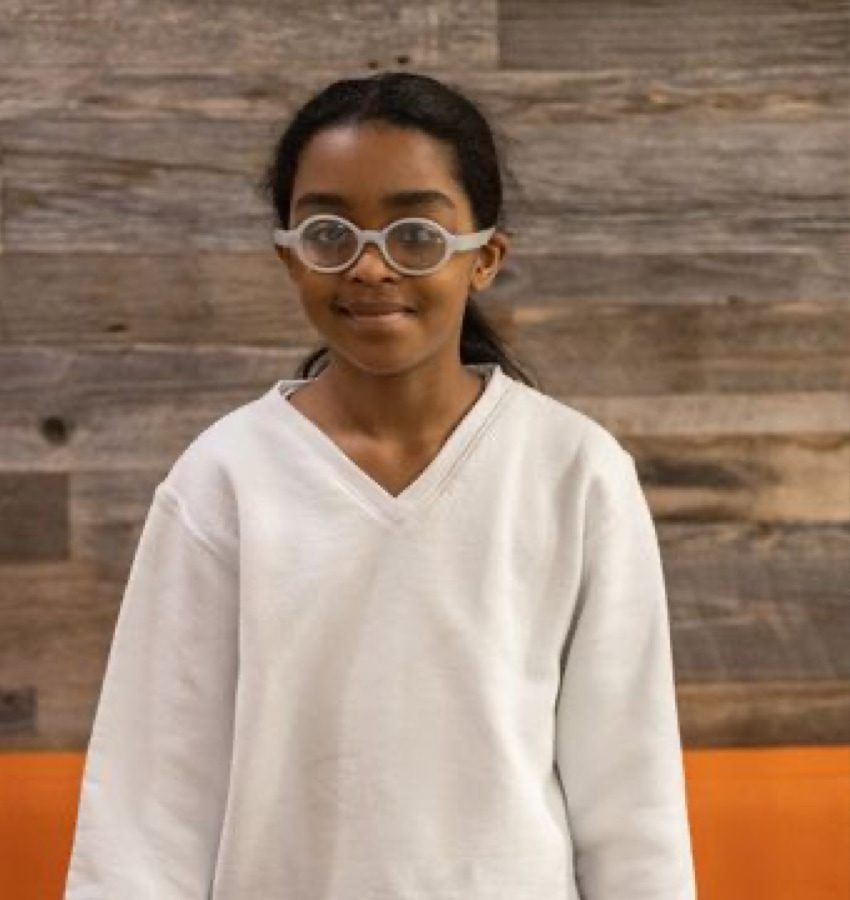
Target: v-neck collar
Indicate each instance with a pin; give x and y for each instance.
(427, 485)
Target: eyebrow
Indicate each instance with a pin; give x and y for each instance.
(393, 201)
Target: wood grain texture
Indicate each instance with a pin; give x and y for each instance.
(764, 714)
(758, 601)
(34, 516)
(56, 623)
(721, 34)
(162, 35)
(678, 208)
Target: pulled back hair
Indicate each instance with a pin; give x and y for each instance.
(407, 100)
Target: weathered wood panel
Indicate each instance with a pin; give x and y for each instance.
(33, 516)
(677, 192)
(704, 414)
(654, 349)
(157, 34)
(720, 34)
(56, 622)
(793, 478)
(664, 86)
(758, 601)
(764, 714)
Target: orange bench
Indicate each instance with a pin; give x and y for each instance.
(769, 824)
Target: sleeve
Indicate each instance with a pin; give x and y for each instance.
(618, 749)
(156, 773)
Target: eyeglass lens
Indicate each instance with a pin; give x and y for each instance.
(411, 245)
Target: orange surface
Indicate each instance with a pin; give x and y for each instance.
(769, 824)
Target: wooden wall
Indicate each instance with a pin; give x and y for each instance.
(678, 199)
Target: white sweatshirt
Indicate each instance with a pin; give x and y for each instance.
(319, 691)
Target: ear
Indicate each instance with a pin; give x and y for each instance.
(490, 259)
(287, 258)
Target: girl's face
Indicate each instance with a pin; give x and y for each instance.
(363, 166)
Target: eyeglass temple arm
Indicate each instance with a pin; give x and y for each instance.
(284, 238)
(471, 241)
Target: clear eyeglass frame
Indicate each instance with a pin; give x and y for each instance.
(454, 243)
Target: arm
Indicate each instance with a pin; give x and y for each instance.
(155, 780)
(617, 739)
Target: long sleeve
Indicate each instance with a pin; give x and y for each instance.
(618, 748)
(155, 780)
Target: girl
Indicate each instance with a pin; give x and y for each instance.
(396, 629)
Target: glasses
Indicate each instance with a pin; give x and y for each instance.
(413, 246)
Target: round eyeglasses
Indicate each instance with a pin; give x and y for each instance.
(414, 246)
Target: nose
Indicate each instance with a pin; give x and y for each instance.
(370, 264)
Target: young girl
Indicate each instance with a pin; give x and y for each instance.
(396, 629)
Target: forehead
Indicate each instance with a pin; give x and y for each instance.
(366, 165)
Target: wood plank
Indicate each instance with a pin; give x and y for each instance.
(56, 622)
(173, 187)
(794, 477)
(800, 89)
(764, 714)
(119, 409)
(583, 35)
(642, 89)
(33, 516)
(814, 271)
(68, 299)
(757, 601)
(108, 509)
(721, 414)
(160, 35)
(627, 186)
(621, 349)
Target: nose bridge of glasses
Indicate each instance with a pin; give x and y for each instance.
(371, 239)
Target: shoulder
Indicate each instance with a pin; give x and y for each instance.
(593, 464)
(595, 448)
(203, 476)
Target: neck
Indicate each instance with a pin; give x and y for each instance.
(403, 408)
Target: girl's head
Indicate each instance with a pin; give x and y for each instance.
(357, 143)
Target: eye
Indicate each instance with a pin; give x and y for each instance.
(328, 232)
(417, 233)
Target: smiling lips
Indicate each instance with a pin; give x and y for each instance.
(371, 310)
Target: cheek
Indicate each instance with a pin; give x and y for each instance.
(317, 294)
(444, 296)
(319, 311)
(446, 289)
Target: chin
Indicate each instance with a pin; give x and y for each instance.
(382, 361)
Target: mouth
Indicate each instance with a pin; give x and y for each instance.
(370, 310)
(375, 313)
(375, 318)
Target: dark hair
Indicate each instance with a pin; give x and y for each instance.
(407, 100)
